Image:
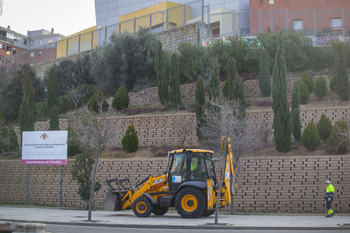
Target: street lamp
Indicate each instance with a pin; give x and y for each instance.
(271, 3)
(99, 36)
(49, 43)
(6, 59)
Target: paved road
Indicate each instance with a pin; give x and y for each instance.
(89, 229)
(127, 219)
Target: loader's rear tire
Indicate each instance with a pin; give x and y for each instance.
(190, 203)
(160, 210)
(142, 207)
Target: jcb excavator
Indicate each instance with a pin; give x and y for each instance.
(189, 184)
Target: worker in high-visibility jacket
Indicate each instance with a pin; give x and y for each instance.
(329, 198)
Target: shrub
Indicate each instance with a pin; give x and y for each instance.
(338, 140)
(333, 84)
(2, 119)
(130, 142)
(310, 138)
(41, 111)
(264, 70)
(306, 78)
(65, 104)
(304, 93)
(54, 118)
(8, 140)
(324, 127)
(121, 98)
(81, 172)
(73, 143)
(227, 89)
(320, 87)
(96, 100)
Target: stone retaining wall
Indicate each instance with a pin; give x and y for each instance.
(150, 95)
(174, 129)
(266, 184)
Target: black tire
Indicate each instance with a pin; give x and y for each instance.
(142, 207)
(208, 213)
(160, 210)
(190, 203)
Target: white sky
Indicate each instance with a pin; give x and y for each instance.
(65, 16)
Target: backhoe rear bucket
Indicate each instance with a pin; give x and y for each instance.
(111, 202)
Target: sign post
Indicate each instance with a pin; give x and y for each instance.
(44, 148)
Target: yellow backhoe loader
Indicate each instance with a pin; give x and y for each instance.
(189, 184)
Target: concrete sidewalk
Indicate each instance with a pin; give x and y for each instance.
(173, 220)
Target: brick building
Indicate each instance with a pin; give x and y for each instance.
(34, 48)
(313, 16)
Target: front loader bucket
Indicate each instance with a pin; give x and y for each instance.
(111, 202)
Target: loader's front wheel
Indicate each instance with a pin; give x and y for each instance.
(190, 203)
(142, 207)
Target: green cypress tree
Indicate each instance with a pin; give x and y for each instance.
(238, 95)
(200, 106)
(264, 73)
(341, 73)
(320, 87)
(232, 75)
(306, 78)
(54, 118)
(324, 127)
(296, 112)
(121, 98)
(161, 74)
(214, 82)
(304, 92)
(282, 123)
(310, 138)
(52, 89)
(174, 82)
(25, 114)
(29, 92)
(130, 141)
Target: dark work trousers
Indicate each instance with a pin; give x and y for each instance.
(328, 205)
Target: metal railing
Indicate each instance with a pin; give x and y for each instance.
(213, 24)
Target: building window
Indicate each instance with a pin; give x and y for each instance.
(32, 43)
(216, 32)
(31, 54)
(2, 47)
(40, 42)
(25, 42)
(337, 23)
(298, 24)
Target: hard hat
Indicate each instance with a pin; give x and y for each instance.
(327, 182)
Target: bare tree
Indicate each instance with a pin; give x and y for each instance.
(92, 130)
(75, 94)
(263, 133)
(229, 124)
(342, 140)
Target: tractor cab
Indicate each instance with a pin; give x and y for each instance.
(190, 167)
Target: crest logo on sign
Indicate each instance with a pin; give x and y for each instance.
(44, 136)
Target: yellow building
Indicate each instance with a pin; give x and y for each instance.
(159, 16)
(78, 42)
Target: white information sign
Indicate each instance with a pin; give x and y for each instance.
(44, 147)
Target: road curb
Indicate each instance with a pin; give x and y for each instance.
(190, 227)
